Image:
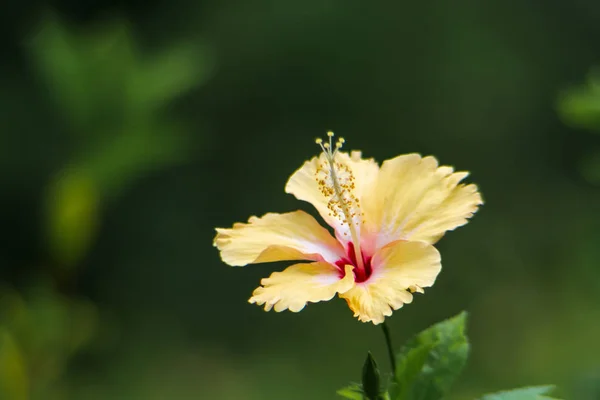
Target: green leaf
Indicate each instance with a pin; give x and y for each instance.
(57, 62)
(579, 106)
(394, 390)
(121, 157)
(13, 376)
(166, 76)
(528, 393)
(407, 373)
(100, 78)
(353, 392)
(370, 378)
(85, 69)
(429, 363)
(72, 211)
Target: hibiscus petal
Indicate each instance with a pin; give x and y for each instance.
(300, 284)
(414, 199)
(303, 184)
(277, 237)
(398, 269)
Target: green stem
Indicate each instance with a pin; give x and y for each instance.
(388, 342)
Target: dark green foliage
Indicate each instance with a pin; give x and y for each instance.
(352, 392)
(528, 393)
(428, 365)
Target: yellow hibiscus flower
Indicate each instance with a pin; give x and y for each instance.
(386, 220)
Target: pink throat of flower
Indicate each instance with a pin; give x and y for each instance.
(360, 274)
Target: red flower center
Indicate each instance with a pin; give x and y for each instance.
(360, 274)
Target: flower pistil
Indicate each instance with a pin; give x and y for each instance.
(336, 182)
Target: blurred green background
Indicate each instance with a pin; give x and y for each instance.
(130, 129)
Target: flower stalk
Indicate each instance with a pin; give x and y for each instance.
(388, 342)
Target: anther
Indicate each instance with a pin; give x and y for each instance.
(319, 141)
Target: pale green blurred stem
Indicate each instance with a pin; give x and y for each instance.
(388, 342)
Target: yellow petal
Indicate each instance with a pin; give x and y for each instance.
(277, 237)
(303, 184)
(398, 268)
(416, 200)
(300, 284)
